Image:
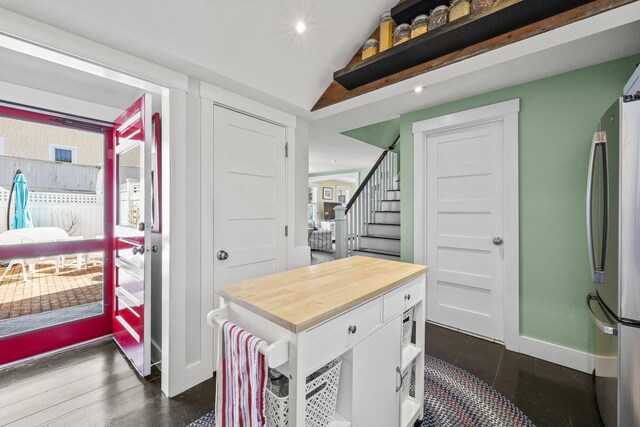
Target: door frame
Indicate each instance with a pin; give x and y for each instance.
(207, 97)
(507, 113)
(15, 348)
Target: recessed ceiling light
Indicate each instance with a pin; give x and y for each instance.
(333, 161)
(300, 27)
(418, 89)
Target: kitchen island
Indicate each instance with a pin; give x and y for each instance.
(361, 310)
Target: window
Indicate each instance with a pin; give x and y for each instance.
(62, 153)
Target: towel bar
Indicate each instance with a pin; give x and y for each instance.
(276, 354)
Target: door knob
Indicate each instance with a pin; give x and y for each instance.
(138, 250)
(498, 241)
(222, 255)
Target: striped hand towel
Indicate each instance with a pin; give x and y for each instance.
(240, 394)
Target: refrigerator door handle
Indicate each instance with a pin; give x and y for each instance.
(597, 271)
(608, 328)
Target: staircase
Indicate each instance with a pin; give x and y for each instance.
(373, 213)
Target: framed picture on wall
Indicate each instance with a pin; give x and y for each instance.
(327, 193)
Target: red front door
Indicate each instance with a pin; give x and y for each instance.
(133, 224)
(57, 276)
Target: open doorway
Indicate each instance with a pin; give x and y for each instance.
(327, 191)
(79, 209)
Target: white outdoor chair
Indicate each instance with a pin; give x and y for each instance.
(14, 240)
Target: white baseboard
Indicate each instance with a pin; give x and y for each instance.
(564, 356)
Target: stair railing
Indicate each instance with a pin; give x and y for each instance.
(367, 199)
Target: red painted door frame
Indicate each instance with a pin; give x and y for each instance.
(55, 337)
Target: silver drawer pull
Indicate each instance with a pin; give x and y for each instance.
(352, 329)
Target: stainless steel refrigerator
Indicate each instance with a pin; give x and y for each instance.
(613, 231)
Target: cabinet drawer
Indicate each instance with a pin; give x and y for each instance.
(334, 337)
(402, 298)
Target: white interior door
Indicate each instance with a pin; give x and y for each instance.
(465, 227)
(249, 197)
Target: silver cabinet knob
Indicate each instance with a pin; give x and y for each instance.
(154, 249)
(222, 255)
(141, 226)
(352, 329)
(138, 250)
(498, 241)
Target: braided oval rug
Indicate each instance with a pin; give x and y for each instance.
(453, 398)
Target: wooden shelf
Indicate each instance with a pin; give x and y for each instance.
(505, 16)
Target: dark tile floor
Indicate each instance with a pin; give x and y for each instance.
(549, 394)
(94, 385)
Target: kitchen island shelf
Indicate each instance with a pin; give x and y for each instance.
(409, 354)
(503, 17)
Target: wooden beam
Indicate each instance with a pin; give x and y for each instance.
(336, 93)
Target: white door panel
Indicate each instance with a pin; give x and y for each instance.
(249, 196)
(465, 212)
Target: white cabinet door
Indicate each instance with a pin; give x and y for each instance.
(376, 403)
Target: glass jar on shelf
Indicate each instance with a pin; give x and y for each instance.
(438, 17)
(458, 9)
(420, 25)
(481, 4)
(386, 31)
(401, 34)
(370, 48)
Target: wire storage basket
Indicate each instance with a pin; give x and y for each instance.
(407, 327)
(321, 394)
(409, 382)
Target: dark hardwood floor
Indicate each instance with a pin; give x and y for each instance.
(94, 386)
(549, 394)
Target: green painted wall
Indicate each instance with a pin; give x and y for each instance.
(558, 116)
(381, 134)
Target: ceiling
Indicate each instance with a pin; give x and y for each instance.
(335, 152)
(249, 46)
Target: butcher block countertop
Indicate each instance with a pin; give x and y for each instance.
(305, 297)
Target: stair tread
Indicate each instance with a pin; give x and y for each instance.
(378, 251)
(377, 236)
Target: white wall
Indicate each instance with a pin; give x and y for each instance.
(183, 263)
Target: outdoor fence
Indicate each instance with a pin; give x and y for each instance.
(77, 213)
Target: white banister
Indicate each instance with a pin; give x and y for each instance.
(341, 232)
(361, 209)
